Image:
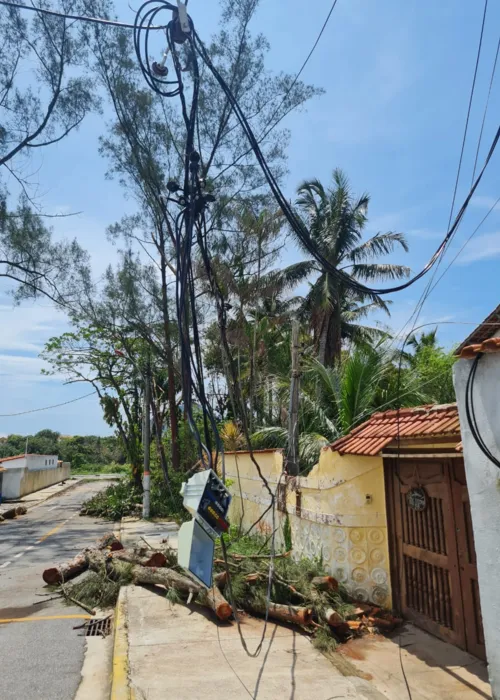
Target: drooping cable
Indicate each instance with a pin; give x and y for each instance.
(298, 225)
(471, 414)
(78, 18)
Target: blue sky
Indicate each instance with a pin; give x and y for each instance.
(397, 78)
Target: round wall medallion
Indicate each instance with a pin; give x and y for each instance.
(357, 536)
(379, 596)
(379, 576)
(358, 556)
(376, 536)
(377, 556)
(340, 574)
(361, 594)
(339, 535)
(340, 555)
(358, 575)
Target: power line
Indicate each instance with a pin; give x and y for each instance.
(79, 18)
(428, 289)
(46, 408)
(486, 107)
(471, 97)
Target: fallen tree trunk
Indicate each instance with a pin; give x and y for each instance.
(65, 572)
(9, 514)
(68, 570)
(109, 540)
(214, 600)
(284, 613)
(325, 583)
(153, 559)
(211, 598)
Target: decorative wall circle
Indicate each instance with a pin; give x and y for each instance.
(379, 576)
(339, 535)
(357, 555)
(379, 595)
(361, 594)
(376, 536)
(359, 575)
(340, 574)
(357, 536)
(340, 555)
(377, 556)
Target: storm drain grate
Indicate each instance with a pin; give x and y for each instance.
(100, 627)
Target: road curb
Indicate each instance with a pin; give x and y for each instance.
(47, 498)
(120, 688)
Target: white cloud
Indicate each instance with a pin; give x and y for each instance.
(484, 202)
(483, 247)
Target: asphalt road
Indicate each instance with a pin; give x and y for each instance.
(42, 656)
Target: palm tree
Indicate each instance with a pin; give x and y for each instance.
(336, 221)
(334, 400)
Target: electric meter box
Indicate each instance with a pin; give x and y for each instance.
(207, 499)
(196, 552)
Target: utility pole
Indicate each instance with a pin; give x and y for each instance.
(146, 437)
(293, 412)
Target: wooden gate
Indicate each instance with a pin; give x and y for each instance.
(433, 557)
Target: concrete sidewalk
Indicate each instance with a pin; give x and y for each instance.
(167, 651)
(181, 652)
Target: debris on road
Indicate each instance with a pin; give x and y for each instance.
(79, 564)
(12, 513)
(302, 594)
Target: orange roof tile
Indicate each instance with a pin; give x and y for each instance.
(381, 429)
(491, 345)
(487, 329)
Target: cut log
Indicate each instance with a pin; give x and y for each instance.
(167, 578)
(214, 600)
(325, 583)
(9, 514)
(332, 617)
(65, 572)
(285, 613)
(220, 580)
(154, 559)
(109, 540)
(211, 598)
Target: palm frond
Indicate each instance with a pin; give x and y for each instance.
(379, 271)
(380, 244)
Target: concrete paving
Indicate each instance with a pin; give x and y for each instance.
(433, 669)
(181, 652)
(42, 656)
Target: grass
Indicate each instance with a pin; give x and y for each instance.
(112, 468)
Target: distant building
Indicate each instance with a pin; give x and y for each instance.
(24, 474)
(30, 461)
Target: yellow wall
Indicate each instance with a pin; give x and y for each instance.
(336, 521)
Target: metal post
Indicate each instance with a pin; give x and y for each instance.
(293, 413)
(146, 445)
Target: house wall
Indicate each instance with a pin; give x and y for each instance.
(31, 461)
(483, 482)
(21, 481)
(18, 463)
(336, 520)
(38, 461)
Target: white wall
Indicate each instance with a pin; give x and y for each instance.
(483, 481)
(11, 485)
(18, 463)
(41, 462)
